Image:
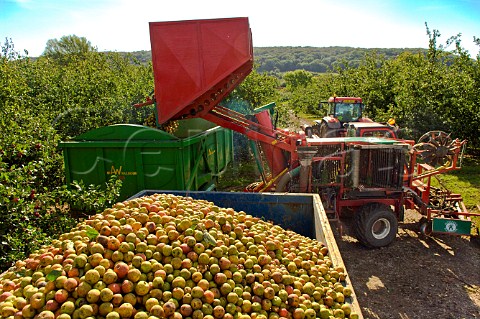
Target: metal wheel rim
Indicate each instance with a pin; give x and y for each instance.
(381, 228)
(426, 228)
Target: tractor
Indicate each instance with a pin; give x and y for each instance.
(197, 63)
(345, 118)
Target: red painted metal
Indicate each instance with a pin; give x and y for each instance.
(199, 62)
(196, 63)
(365, 120)
(274, 155)
(230, 119)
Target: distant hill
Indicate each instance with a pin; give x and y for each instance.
(313, 59)
(141, 56)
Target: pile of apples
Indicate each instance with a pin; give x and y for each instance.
(167, 256)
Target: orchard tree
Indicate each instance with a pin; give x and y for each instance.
(298, 78)
(306, 99)
(68, 45)
(257, 89)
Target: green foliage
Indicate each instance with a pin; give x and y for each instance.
(43, 101)
(86, 200)
(144, 57)
(297, 79)
(31, 219)
(438, 92)
(257, 90)
(90, 91)
(67, 48)
(94, 91)
(303, 98)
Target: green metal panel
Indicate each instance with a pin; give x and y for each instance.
(147, 158)
(125, 132)
(270, 107)
(452, 226)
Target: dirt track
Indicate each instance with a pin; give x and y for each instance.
(415, 277)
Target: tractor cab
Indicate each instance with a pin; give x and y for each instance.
(341, 110)
(345, 109)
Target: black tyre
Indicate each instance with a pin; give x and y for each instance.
(325, 131)
(309, 132)
(376, 225)
(401, 214)
(426, 226)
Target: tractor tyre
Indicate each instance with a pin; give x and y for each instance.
(376, 225)
(401, 214)
(309, 132)
(325, 131)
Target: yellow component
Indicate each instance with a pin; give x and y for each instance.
(274, 142)
(273, 180)
(391, 121)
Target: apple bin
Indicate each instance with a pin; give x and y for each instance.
(302, 213)
(148, 158)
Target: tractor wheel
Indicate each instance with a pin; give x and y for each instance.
(376, 225)
(401, 214)
(324, 131)
(309, 132)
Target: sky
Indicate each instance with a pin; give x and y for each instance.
(122, 25)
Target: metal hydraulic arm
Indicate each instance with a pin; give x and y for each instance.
(194, 75)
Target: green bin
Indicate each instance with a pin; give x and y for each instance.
(148, 158)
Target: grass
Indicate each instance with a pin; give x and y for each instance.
(309, 117)
(466, 182)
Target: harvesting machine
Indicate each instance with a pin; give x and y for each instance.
(199, 62)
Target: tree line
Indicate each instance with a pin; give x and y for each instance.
(278, 60)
